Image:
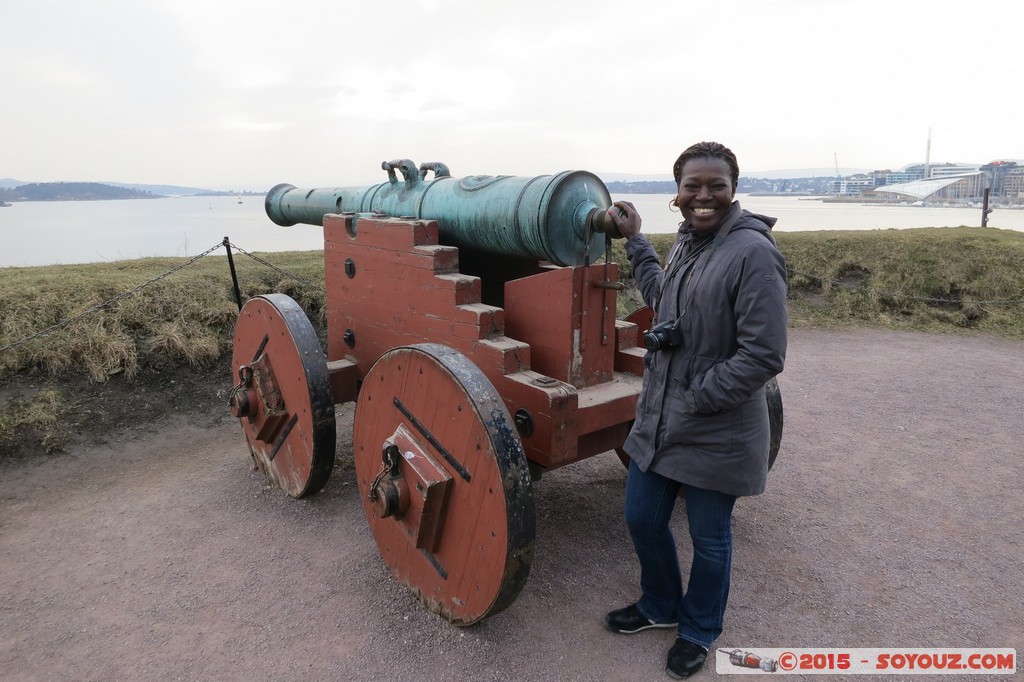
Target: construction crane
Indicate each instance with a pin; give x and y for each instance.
(836, 185)
(928, 155)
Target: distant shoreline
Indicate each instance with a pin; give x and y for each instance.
(98, 191)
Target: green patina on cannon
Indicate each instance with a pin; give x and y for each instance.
(559, 218)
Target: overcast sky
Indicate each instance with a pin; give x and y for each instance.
(317, 93)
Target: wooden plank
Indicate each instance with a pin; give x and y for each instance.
(553, 411)
(487, 317)
(607, 404)
(392, 233)
(336, 228)
(572, 333)
(344, 376)
(434, 258)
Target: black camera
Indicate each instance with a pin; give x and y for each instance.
(662, 336)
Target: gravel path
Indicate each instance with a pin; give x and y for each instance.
(893, 519)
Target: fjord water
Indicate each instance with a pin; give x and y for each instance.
(45, 233)
(803, 214)
(48, 232)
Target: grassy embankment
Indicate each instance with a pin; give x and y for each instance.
(959, 280)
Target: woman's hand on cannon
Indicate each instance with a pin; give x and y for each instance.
(625, 217)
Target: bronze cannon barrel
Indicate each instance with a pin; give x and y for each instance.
(559, 218)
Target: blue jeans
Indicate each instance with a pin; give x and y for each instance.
(650, 499)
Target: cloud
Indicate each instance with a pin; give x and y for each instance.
(248, 126)
(317, 89)
(62, 72)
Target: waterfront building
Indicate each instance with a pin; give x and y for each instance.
(951, 170)
(946, 190)
(1013, 185)
(851, 186)
(909, 174)
(1004, 179)
(942, 183)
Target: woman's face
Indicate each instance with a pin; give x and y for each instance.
(705, 192)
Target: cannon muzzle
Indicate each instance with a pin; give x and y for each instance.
(560, 218)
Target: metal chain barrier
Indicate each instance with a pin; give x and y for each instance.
(99, 306)
(124, 294)
(274, 267)
(910, 297)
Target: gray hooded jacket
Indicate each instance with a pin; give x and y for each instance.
(702, 416)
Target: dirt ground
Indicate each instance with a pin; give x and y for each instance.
(893, 519)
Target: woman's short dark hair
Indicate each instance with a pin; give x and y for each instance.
(708, 150)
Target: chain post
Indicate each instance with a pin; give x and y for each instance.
(270, 265)
(234, 275)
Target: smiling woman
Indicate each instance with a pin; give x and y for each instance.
(702, 425)
(707, 185)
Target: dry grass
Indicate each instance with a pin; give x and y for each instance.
(41, 413)
(930, 279)
(935, 279)
(963, 280)
(187, 317)
(938, 279)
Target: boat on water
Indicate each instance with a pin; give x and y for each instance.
(4, 204)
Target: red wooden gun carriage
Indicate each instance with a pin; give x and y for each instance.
(470, 324)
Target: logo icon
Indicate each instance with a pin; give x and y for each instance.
(745, 659)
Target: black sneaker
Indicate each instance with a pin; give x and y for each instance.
(629, 620)
(684, 659)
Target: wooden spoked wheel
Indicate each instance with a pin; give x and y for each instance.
(643, 318)
(282, 395)
(444, 481)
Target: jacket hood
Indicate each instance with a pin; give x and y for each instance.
(757, 222)
(768, 220)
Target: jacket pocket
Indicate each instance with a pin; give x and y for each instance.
(716, 432)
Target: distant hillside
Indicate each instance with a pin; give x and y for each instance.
(643, 187)
(792, 173)
(7, 183)
(172, 190)
(795, 186)
(71, 191)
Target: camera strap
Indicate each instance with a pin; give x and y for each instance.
(710, 247)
